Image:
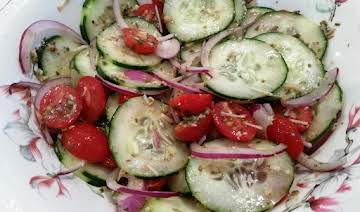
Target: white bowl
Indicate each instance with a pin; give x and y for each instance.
(337, 191)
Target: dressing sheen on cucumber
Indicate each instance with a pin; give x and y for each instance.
(173, 204)
(131, 140)
(240, 185)
(247, 69)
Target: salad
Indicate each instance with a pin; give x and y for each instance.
(184, 105)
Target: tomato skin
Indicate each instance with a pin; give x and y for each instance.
(155, 184)
(193, 131)
(60, 107)
(146, 11)
(283, 131)
(86, 142)
(188, 103)
(93, 95)
(304, 114)
(234, 128)
(140, 41)
(109, 162)
(124, 97)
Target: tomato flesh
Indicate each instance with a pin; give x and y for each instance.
(93, 95)
(283, 131)
(124, 97)
(188, 103)
(109, 162)
(148, 12)
(140, 41)
(194, 129)
(302, 117)
(234, 121)
(155, 184)
(60, 107)
(86, 142)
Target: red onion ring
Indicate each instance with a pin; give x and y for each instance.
(324, 88)
(113, 185)
(118, 16)
(238, 152)
(158, 18)
(168, 49)
(121, 89)
(315, 165)
(22, 84)
(139, 76)
(177, 85)
(47, 86)
(35, 34)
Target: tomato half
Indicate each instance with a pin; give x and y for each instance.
(109, 162)
(191, 103)
(86, 142)
(140, 41)
(283, 131)
(146, 11)
(234, 121)
(302, 117)
(93, 95)
(60, 107)
(193, 129)
(124, 97)
(155, 184)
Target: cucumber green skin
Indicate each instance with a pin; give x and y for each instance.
(83, 175)
(326, 133)
(84, 19)
(40, 51)
(322, 33)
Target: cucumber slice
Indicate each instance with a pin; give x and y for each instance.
(240, 11)
(247, 69)
(236, 185)
(305, 69)
(54, 57)
(117, 75)
(189, 49)
(82, 63)
(92, 174)
(172, 204)
(111, 45)
(292, 24)
(178, 183)
(192, 20)
(96, 15)
(131, 140)
(326, 115)
(255, 12)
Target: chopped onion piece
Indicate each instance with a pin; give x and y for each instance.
(168, 49)
(177, 85)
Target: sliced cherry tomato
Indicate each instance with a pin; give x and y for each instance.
(140, 41)
(155, 184)
(234, 121)
(194, 129)
(60, 107)
(86, 142)
(146, 11)
(188, 103)
(94, 99)
(124, 97)
(109, 162)
(302, 117)
(283, 131)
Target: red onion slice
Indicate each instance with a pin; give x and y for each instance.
(118, 16)
(139, 76)
(221, 152)
(315, 165)
(168, 49)
(177, 85)
(113, 185)
(158, 18)
(126, 90)
(35, 34)
(22, 84)
(324, 88)
(263, 116)
(166, 37)
(47, 86)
